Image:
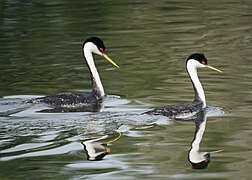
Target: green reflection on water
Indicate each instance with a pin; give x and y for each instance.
(40, 53)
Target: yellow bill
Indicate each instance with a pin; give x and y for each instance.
(110, 60)
(107, 149)
(113, 140)
(213, 68)
(217, 151)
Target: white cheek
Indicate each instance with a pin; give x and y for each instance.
(192, 64)
(95, 50)
(91, 47)
(201, 65)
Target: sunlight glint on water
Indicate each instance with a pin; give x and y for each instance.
(40, 53)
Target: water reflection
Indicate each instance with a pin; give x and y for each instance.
(95, 150)
(40, 54)
(198, 159)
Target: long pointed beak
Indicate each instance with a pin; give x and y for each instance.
(217, 151)
(113, 140)
(110, 60)
(107, 149)
(213, 68)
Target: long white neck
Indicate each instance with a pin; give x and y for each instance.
(195, 155)
(198, 136)
(95, 78)
(198, 89)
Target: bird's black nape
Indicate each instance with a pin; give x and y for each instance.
(202, 164)
(198, 57)
(97, 41)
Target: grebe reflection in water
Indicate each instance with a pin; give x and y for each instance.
(97, 150)
(198, 159)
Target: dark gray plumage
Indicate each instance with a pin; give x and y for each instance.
(70, 102)
(179, 111)
(188, 110)
(80, 101)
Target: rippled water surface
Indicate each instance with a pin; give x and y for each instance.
(40, 53)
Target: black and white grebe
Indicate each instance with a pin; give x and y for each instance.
(64, 102)
(188, 110)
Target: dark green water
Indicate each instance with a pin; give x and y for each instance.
(40, 53)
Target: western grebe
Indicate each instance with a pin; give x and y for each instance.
(188, 110)
(78, 101)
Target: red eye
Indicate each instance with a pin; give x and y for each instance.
(206, 160)
(101, 49)
(203, 62)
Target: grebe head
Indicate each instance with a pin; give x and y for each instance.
(202, 162)
(198, 60)
(96, 45)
